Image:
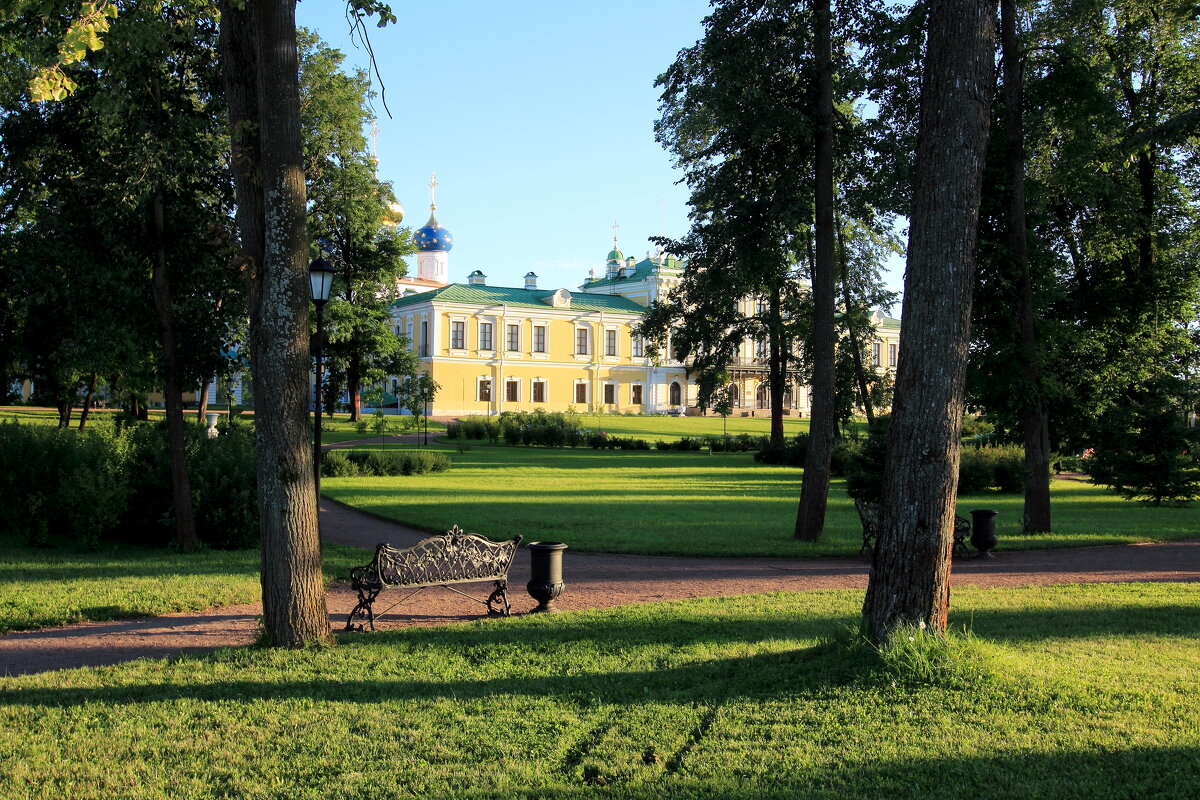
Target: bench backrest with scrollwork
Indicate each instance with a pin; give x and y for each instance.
(453, 557)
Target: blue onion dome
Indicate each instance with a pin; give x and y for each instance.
(433, 237)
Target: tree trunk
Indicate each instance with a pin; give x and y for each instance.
(87, 401)
(181, 486)
(202, 406)
(910, 576)
(1035, 424)
(814, 491)
(860, 375)
(777, 374)
(258, 43)
(354, 388)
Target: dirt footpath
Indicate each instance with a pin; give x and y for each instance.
(593, 581)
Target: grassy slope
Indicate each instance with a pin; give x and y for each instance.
(1092, 695)
(46, 587)
(696, 504)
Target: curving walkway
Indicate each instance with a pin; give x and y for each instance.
(594, 580)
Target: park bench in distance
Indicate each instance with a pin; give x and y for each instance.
(868, 515)
(451, 558)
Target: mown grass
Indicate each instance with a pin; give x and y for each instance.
(668, 503)
(1086, 692)
(653, 427)
(338, 429)
(43, 587)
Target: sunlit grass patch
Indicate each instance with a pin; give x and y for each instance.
(741, 697)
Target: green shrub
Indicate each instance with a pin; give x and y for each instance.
(60, 483)
(114, 481)
(336, 464)
(792, 453)
(382, 463)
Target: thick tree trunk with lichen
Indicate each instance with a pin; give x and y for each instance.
(259, 47)
(910, 576)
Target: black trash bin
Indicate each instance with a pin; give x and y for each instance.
(983, 531)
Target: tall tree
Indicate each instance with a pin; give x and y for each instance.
(261, 66)
(737, 114)
(348, 206)
(909, 583)
(814, 491)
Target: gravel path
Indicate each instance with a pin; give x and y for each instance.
(593, 581)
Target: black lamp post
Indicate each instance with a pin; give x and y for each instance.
(320, 279)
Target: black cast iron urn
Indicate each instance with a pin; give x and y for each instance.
(983, 531)
(545, 574)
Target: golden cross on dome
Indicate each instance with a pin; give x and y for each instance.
(616, 227)
(433, 184)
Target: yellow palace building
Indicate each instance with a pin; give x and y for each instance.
(493, 349)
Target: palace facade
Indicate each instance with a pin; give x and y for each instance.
(493, 349)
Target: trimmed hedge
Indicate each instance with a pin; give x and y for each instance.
(381, 463)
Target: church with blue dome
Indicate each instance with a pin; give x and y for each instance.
(433, 244)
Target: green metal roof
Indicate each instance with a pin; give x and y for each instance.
(481, 295)
(641, 271)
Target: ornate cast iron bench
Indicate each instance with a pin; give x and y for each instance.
(868, 514)
(452, 558)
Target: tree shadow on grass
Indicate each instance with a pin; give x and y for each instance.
(392, 658)
(1077, 623)
(1136, 772)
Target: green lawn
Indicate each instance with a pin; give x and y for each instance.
(1087, 692)
(656, 427)
(42, 587)
(668, 503)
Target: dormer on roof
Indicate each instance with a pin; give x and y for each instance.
(560, 298)
(477, 278)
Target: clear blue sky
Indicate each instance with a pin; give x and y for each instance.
(537, 117)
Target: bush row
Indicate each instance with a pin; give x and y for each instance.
(114, 482)
(378, 463)
(981, 467)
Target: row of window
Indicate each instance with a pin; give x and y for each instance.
(539, 391)
(876, 347)
(540, 342)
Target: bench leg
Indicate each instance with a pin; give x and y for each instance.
(364, 610)
(497, 602)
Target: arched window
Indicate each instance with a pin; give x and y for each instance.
(762, 396)
(676, 394)
(788, 397)
(735, 395)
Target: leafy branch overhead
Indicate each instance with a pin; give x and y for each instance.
(82, 37)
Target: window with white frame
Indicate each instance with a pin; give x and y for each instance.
(892, 354)
(610, 342)
(458, 335)
(514, 338)
(760, 349)
(485, 390)
(424, 337)
(638, 346)
(538, 389)
(581, 341)
(486, 341)
(512, 390)
(610, 393)
(539, 338)
(635, 394)
(581, 393)
(875, 353)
